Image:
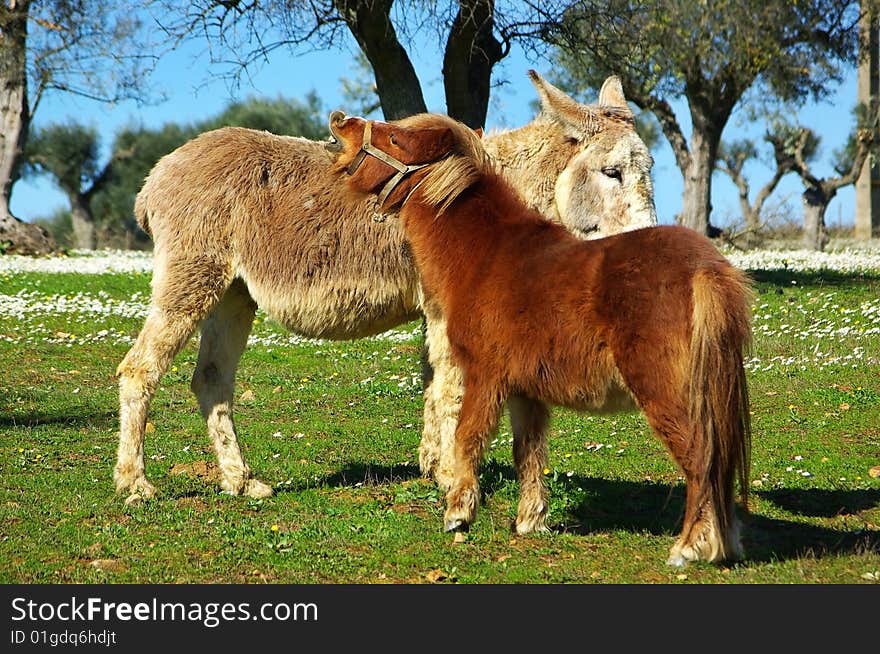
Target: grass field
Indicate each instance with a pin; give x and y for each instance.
(334, 427)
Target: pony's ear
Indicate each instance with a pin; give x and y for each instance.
(433, 143)
(344, 129)
(479, 132)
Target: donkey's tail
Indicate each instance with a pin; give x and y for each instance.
(140, 209)
(719, 399)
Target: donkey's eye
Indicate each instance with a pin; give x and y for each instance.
(392, 139)
(613, 172)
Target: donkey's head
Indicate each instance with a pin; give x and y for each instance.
(384, 158)
(605, 186)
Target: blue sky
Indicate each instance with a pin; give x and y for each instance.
(186, 79)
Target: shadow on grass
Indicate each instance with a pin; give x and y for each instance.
(658, 508)
(370, 474)
(823, 503)
(785, 278)
(595, 505)
(72, 418)
(771, 539)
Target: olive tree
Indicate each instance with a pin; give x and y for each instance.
(90, 49)
(709, 52)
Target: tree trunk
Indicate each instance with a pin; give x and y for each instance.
(867, 221)
(18, 237)
(15, 235)
(471, 53)
(815, 202)
(83, 222)
(697, 200)
(752, 236)
(396, 81)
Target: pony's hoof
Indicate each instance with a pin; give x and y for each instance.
(455, 524)
(531, 517)
(681, 555)
(676, 561)
(257, 489)
(461, 508)
(538, 526)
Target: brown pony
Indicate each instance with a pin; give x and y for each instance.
(536, 317)
(242, 218)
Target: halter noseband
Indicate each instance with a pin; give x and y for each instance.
(369, 149)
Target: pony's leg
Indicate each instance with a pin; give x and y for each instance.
(443, 397)
(224, 335)
(701, 538)
(528, 420)
(480, 411)
(162, 337)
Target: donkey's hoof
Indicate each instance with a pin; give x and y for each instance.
(134, 498)
(138, 488)
(257, 489)
(443, 479)
(427, 462)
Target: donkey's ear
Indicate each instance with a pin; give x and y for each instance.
(553, 101)
(579, 121)
(611, 96)
(479, 132)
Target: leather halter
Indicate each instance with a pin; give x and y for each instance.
(367, 148)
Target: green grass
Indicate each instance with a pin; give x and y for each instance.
(334, 427)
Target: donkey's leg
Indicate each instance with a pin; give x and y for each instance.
(528, 420)
(163, 335)
(224, 335)
(443, 397)
(429, 447)
(480, 410)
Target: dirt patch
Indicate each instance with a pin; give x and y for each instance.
(407, 349)
(206, 470)
(196, 503)
(109, 565)
(412, 508)
(94, 550)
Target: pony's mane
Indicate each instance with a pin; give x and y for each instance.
(451, 176)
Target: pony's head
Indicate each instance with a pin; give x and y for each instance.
(606, 186)
(389, 159)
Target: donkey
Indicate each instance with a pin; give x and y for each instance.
(241, 218)
(537, 317)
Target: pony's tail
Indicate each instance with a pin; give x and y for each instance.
(719, 399)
